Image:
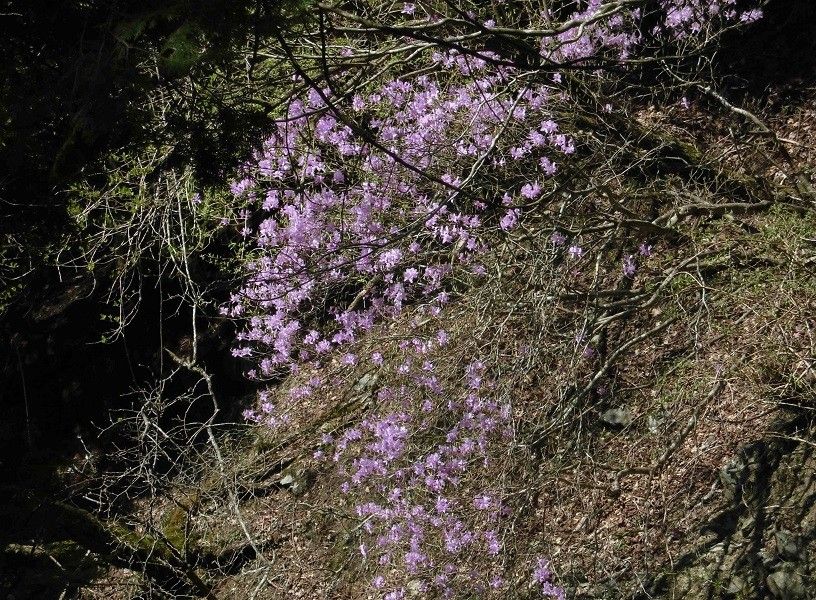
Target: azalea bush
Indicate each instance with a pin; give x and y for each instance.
(356, 228)
(419, 143)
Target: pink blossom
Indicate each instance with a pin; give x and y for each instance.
(531, 191)
(510, 219)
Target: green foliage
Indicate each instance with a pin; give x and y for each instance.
(141, 215)
(181, 51)
(90, 91)
(10, 266)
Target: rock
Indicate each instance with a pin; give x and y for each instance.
(617, 417)
(753, 555)
(747, 525)
(786, 585)
(365, 383)
(731, 477)
(767, 557)
(788, 545)
(297, 481)
(416, 588)
(737, 587)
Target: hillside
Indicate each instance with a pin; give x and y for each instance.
(413, 300)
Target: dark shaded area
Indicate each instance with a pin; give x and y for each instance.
(52, 522)
(83, 81)
(74, 89)
(762, 532)
(60, 387)
(60, 380)
(78, 85)
(778, 51)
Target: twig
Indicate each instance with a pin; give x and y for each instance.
(217, 449)
(25, 397)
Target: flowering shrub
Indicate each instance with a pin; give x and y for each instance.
(354, 229)
(417, 467)
(389, 196)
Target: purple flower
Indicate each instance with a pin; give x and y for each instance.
(629, 265)
(552, 591)
(542, 573)
(548, 166)
(493, 545)
(442, 505)
(576, 251)
(390, 258)
(564, 143)
(413, 560)
(510, 219)
(531, 191)
(537, 138)
(482, 502)
(518, 152)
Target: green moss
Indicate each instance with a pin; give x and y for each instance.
(174, 527)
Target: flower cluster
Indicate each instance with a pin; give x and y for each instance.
(355, 225)
(415, 472)
(363, 206)
(608, 29)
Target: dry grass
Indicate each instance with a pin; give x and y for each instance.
(602, 519)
